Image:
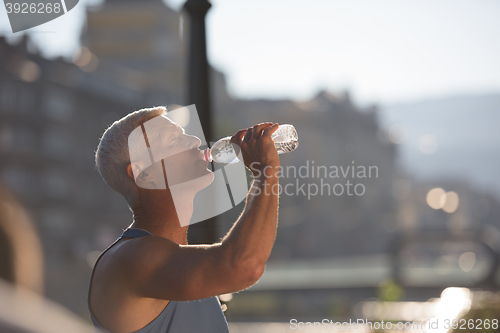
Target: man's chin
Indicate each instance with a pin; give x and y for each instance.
(196, 184)
(208, 178)
(203, 182)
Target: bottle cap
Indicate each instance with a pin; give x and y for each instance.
(207, 156)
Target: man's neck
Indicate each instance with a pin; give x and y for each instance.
(157, 213)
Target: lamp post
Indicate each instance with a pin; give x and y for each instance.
(198, 93)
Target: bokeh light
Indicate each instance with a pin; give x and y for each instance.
(86, 60)
(226, 297)
(451, 202)
(82, 57)
(397, 134)
(436, 198)
(428, 144)
(467, 261)
(29, 71)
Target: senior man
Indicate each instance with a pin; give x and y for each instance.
(150, 279)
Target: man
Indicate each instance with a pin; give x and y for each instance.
(159, 283)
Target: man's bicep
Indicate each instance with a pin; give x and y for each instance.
(166, 270)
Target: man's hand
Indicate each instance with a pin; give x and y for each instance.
(257, 148)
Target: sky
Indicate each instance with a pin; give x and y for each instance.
(382, 51)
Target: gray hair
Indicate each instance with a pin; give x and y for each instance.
(112, 155)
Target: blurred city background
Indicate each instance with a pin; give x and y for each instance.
(400, 87)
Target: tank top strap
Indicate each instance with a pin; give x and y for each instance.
(135, 232)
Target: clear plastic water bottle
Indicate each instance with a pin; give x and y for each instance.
(285, 139)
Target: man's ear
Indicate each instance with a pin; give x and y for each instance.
(130, 173)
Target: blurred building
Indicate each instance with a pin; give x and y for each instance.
(52, 114)
(144, 36)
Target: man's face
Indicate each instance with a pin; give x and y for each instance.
(175, 155)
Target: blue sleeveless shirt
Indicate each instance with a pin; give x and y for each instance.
(203, 315)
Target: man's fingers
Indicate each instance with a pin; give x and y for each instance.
(248, 134)
(254, 132)
(257, 129)
(270, 130)
(236, 138)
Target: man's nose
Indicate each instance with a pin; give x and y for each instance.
(194, 142)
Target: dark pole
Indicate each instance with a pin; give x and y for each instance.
(198, 93)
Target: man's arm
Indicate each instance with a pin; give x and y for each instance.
(251, 238)
(166, 270)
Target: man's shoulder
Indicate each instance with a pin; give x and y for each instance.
(137, 254)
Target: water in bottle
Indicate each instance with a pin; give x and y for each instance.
(285, 140)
